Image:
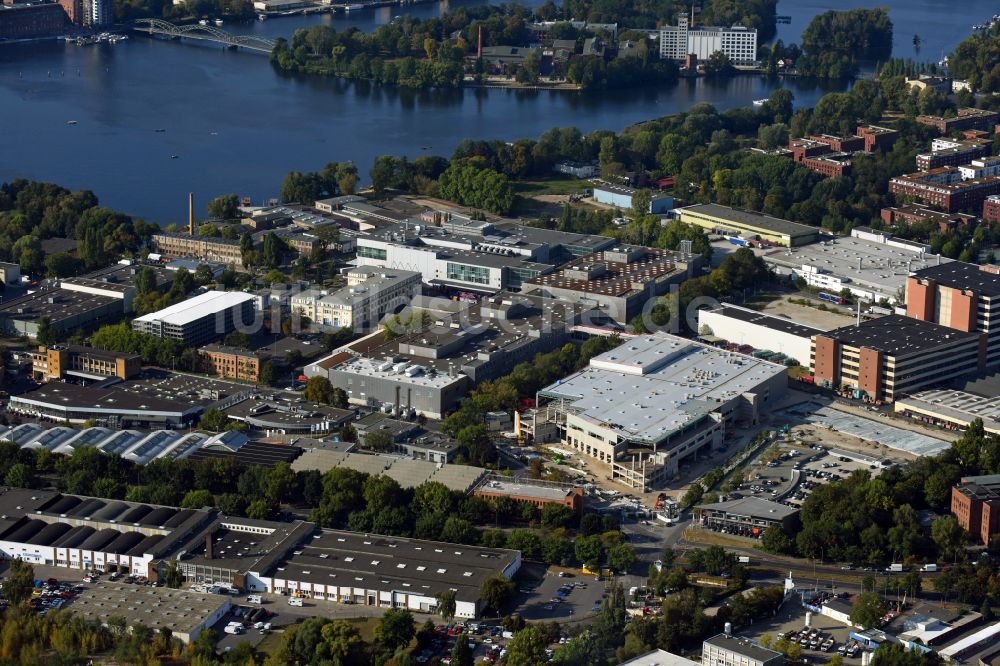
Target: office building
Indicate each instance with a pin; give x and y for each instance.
(877, 138)
(975, 503)
(620, 280)
(59, 361)
(737, 42)
(947, 188)
(962, 296)
(748, 224)
(371, 293)
(728, 650)
(656, 401)
(749, 516)
(230, 362)
(98, 13)
(535, 492)
(964, 119)
(743, 326)
(894, 355)
(621, 197)
(430, 368)
(200, 319)
(211, 249)
(948, 152)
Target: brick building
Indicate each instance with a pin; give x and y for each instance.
(57, 361)
(74, 10)
(20, 21)
(945, 188)
(230, 362)
(991, 209)
(219, 250)
(877, 138)
(803, 148)
(840, 144)
(913, 213)
(531, 491)
(975, 503)
(946, 153)
(965, 119)
(831, 165)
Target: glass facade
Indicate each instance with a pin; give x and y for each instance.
(371, 252)
(466, 273)
(517, 276)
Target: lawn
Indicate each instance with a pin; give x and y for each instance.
(559, 184)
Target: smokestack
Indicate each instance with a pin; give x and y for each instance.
(191, 213)
(479, 48)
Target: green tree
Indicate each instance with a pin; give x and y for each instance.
(527, 648)
(196, 499)
(379, 440)
(496, 591)
(145, 281)
(19, 583)
(621, 557)
(948, 535)
(446, 604)
(20, 475)
(318, 389)
(395, 630)
(461, 655)
(867, 609)
(61, 265)
(339, 398)
(47, 333)
(588, 550)
(224, 207)
(214, 419)
(172, 576)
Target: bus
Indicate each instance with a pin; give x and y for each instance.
(832, 298)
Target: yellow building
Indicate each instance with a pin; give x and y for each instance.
(230, 362)
(748, 225)
(57, 361)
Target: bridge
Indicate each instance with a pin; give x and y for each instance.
(205, 33)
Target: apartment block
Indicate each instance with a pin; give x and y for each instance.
(975, 503)
(945, 188)
(946, 152)
(907, 214)
(840, 144)
(230, 362)
(964, 119)
(991, 209)
(58, 361)
(877, 138)
(831, 165)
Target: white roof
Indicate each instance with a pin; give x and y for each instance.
(659, 658)
(197, 307)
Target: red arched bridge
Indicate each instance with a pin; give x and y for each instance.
(205, 33)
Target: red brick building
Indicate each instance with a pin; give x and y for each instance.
(74, 10)
(840, 144)
(831, 165)
(908, 214)
(18, 21)
(955, 153)
(877, 138)
(965, 119)
(975, 503)
(803, 148)
(530, 491)
(945, 189)
(991, 209)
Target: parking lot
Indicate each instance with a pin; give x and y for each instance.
(791, 620)
(570, 597)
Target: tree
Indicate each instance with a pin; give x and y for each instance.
(47, 333)
(458, 530)
(379, 440)
(867, 610)
(224, 207)
(61, 265)
(343, 643)
(896, 654)
(588, 549)
(496, 591)
(527, 648)
(214, 419)
(172, 576)
(145, 281)
(318, 389)
(395, 629)
(948, 535)
(461, 655)
(446, 605)
(196, 499)
(20, 476)
(621, 557)
(19, 582)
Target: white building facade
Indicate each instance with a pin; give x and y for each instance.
(737, 42)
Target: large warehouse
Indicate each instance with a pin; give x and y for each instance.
(200, 319)
(762, 331)
(657, 400)
(748, 224)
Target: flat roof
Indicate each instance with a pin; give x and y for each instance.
(653, 385)
(899, 335)
(659, 658)
(613, 278)
(251, 453)
(956, 406)
(755, 507)
(742, 646)
(196, 307)
(961, 275)
(181, 611)
(751, 219)
(73, 396)
(410, 473)
(56, 304)
(767, 321)
(523, 488)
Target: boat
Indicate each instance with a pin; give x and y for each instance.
(218, 23)
(261, 17)
(173, 157)
(160, 130)
(203, 22)
(71, 122)
(353, 7)
(760, 102)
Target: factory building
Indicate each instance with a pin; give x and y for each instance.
(200, 319)
(762, 331)
(737, 42)
(59, 361)
(748, 225)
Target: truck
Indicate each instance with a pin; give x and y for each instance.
(895, 567)
(234, 628)
(930, 567)
(254, 599)
(295, 601)
(743, 559)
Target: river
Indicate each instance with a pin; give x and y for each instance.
(235, 125)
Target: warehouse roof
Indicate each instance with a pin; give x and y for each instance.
(899, 335)
(960, 275)
(751, 219)
(196, 307)
(753, 507)
(742, 646)
(767, 321)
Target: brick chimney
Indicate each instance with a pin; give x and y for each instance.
(479, 47)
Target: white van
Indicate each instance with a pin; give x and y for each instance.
(254, 599)
(295, 601)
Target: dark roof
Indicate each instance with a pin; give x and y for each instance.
(742, 646)
(898, 335)
(72, 396)
(769, 321)
(751, 218)
(136, 514)
(75, 537)
(49, 534)
(252, 453)
(960, 275)
(99, 539)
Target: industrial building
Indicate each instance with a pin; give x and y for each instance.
(750, 516)
(762, 331)
(737, 42)
(963, 296)
(894, 355)
(655, 401)
(201, 318)
(535, 492)
(407, 472)
(621, 197)
(72, 403)
(748, 224)
(207, 248)
(619, 280)
(65, 310)
(282, 414)
(952, 409)
(59, 361)
(408, 438)
(428, 370)
(371, 293)
(728, 650)
(975, 503)
(473, 256)
(872, 265)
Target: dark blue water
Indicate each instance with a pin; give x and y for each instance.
(237, 126)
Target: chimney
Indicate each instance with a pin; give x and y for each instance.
(208, 546)
(479, 48)
(191, 213)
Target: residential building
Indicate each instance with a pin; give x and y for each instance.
(535, 492)
(748, 224)
(941, 84)
(98, 13)
(877, 138)
(620, 280)
(947, 152)
(975, 503)
(58, 361)
(964, 119)
(371, 293)
(748, 516)
(803, 148)
(991, 209)
(656, 401)
(744, 326)
(202, 318)
(230, 362)
(831, 165)
(962, 296)
(728, 650)
(907, 214)
(31, 20)
(887, 357)
(840, 144)
(577, 169)
(738, 43)
(212, 249)
(621, 197)
(945, 188)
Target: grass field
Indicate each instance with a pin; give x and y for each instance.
(558, 184)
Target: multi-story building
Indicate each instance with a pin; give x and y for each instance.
(877, 138)
(964, 119)
(98, 13)
(840, 144)
(991, 209)
(743, 326)
(370, 294)
(962, 296)
(803, 148)
(213, 249)
(230, 362)
(945, 188)
(737, 42)
(975, 503)
(894, 355)
(947, 152)
(908, 214)
(57, 361)
(200, 319)
(748, 224)
(31, 20)
(728, 650)
(831, 165)
(531, 491)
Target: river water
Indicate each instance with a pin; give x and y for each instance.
(235, 125)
